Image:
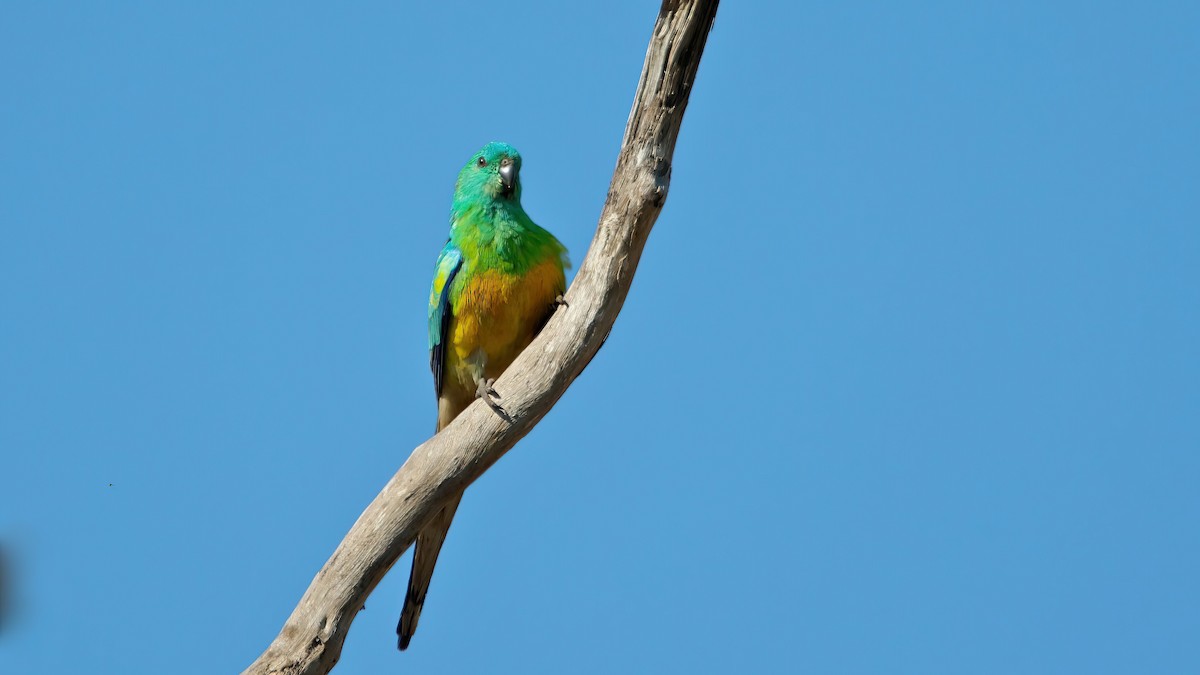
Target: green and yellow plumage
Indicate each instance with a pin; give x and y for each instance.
(494, 286)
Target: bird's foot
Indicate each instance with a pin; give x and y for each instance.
(560, 301)
(487, 392)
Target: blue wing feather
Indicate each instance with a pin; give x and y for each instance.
(449, 262)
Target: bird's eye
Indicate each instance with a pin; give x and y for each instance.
(482, 162)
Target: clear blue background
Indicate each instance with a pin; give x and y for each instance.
(908, 382)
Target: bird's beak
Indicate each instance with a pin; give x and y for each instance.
(508, 175)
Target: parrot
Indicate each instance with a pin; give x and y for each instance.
(497, 281)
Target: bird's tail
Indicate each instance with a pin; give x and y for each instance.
(425, 554)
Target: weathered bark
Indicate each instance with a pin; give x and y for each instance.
(311, 640)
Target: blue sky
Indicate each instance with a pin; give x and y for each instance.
(908, 380)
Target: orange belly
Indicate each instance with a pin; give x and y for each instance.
(495, 316)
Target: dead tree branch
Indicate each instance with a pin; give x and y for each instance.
(311, 640)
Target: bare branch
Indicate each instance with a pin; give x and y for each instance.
(311, 640)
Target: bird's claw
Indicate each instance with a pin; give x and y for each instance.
(560, 301)
(485, 390)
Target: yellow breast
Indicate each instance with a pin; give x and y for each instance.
(496, 316)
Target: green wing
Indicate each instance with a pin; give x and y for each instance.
(449, 262)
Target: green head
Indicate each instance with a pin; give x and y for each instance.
(492, 175)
